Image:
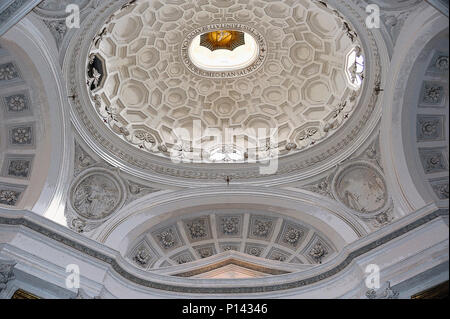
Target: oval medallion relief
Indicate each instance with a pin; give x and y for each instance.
(96, 195)
(361, 187)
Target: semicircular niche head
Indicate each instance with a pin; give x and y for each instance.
(209, 236)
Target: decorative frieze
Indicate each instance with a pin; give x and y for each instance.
(17, 166)
(439, 63)
(82, 159)
(318, 251)
(442, 63)
(322, 187)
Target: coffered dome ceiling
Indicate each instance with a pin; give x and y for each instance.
(150, 90)
(156, 100)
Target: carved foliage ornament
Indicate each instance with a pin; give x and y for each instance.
(261, 228)
(198, 229)
(22, 135)
(19, 168)
(142, 256)
(8, 72)
(433, 93)
(16, 103)
(95, 197)
(292, 236)
(318, 252)
(230, 225)
(167, 238)
(385, 292)
(9, 197)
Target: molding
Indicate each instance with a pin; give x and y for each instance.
(440, 5)
(13, 13)
(115, 263)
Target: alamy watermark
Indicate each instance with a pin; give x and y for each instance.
(73, 277)
(373, 19)
(73, 19)
(373, 278)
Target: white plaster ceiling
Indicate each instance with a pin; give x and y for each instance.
(24, 145)
(300, 89)
(254, 233)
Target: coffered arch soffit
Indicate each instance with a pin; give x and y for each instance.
(338, 223)
(25, 130)
(414, 67)
(29, 40)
